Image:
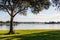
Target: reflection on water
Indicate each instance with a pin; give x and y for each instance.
(32, 26)
(6, 26)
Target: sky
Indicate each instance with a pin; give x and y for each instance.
(43, 16)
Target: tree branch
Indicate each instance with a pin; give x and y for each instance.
(18, 12)
(8, 12)
(5, 8)
(15, 14)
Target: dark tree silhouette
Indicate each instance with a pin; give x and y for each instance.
(13, 7)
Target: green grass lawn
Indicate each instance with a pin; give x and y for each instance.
(31, 35)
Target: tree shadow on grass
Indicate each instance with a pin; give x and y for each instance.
(52, 35)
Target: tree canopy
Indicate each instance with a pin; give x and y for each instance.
(20, 6)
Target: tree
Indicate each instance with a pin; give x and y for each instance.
(56, 3)
(13, 7)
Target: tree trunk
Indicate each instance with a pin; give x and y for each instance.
(11, 31)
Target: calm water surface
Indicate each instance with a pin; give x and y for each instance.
(32, 26)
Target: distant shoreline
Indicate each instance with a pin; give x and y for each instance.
(8, 22)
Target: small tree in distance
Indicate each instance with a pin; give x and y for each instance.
(13, 7)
